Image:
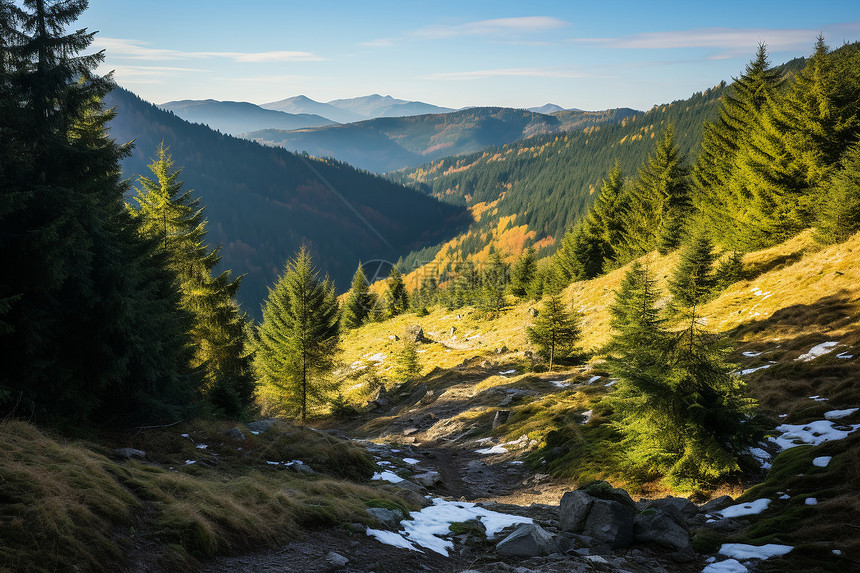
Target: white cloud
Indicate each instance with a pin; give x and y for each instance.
(139, 50)
(496, 27)
(378, 43)
(511, 72)
(744, 40)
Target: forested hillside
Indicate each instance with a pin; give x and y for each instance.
(262, 203)
(389, 143)
(531, 192)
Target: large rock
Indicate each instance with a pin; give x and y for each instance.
(415, 333)
(661, 526)
(390, 518)
(573, 509)
(528, 540)
(428, 479)
(262, 426)
(684, 506)
(609, 522)
(717, 504)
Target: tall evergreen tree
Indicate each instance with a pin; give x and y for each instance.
(396, 298)
(693, 280)
(524, 274)
(298, 338)
(679, 406)
(171, 216)
(96, 334)
(494, 283)
(838, 214)
(659, 202)
(555, 332)
(359, 303)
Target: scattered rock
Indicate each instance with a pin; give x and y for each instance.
(414, 333)
(610, 522)
(301, 468)
(683, 506)
(390, 518)
(717, 504)
(393, 337)
(235, 434)
(500, 418)
(262, 426)
(336, 560)
(532, 312)
(502, 350)
(662, 527)
(428, 479)
(573, 509)
(528, 540)
(129, 453)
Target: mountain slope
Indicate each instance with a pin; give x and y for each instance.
(304, 104)
(235, 117)
(385, 144)
(263, 203)
(375, 105)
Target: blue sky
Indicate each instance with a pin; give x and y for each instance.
(588, 55)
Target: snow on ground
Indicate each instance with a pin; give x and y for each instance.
(387, 476)
(594, 379)
(837, 414)
(500, 449)
(744, 551)
(751, 354)
(813, 433)
(506, 372)
(378, 357)
(411, 461)
(560, 383)
(610, 383)
(821, 461)
(844, 356)
(587, 415)
(424, 527)
(818, 350)
(201, 446)
(810, 501)
(761, 456)
(751, 370)
(818, 398)
(750, 508)
(727, 566)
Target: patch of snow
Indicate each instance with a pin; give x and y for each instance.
(810, 501)
(384, 463)
(783, 415)
(395, 451)
(813, 433)
(411, 461)
(837, 552)
(273, 463)
(785, 496)
(560, 383)
(587, 414)
(388, 476)
(816, 351)
(255, 433)
(750, 508)
(727, 566)
(378, 357)
(184, 436)
(751, 354)
(751, 370)
(762, 456)
(356, 386)
(821, 461)
(516, 462)
(818, 398)
(201, 446)
(744, 551)
(837, 414)
(500, 449)
(844, 355)
(594, 379)
(506, 372)
(189, 462)
(610, 383)
(391, 538)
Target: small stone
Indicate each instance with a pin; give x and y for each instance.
(428, 479)
(500, 418)
(129, 453)
(336, 559)
(528, 540)
(235, 434)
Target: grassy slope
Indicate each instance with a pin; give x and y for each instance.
(71, 505)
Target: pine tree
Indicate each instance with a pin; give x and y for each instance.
(677, 403)
(524, 273)
(360, 302)
(494, 283)
(396, 298)
(96, 333)
(298, 338)
(838, 215)
(693, 280)
(408, 366)
(172, 218)
(555, 332)
(426, 295)
(659, 202)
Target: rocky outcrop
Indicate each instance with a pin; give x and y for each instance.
(528, 540)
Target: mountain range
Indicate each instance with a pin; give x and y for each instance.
(356, 109)
(235, 117)
(390, 143)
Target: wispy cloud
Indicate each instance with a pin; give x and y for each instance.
(495, 27)
(139, 50)
(745, 39)
(378, 43)
(512, 73)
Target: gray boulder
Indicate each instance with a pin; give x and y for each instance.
(235, 434)
(685, 507)
(428, 479)
(573, 510)
(336, 560)
(662, 527)
(528, 540)
(717, 504)
(609, 522)
(262, 426)
(129, 453)
(390, 518)
(415, 333)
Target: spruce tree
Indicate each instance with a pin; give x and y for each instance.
(96, 334)
(494, 283)
(555, 332)
(838, 213)
(171, 216)
(297, 342)
(678, 404)
(396, 298)
(360, 302)
(408, 366)
(693, 280)
(524, 273)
